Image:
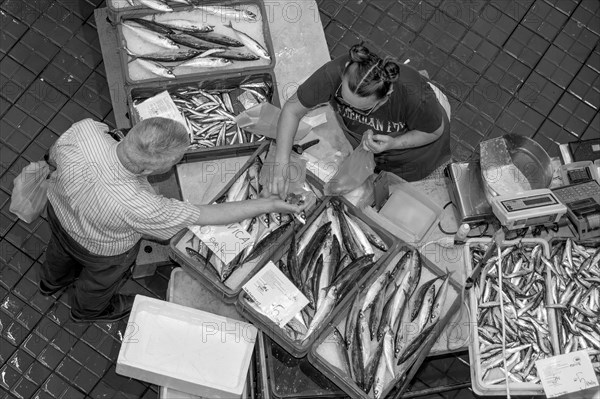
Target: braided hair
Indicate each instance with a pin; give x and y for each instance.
(367, 74)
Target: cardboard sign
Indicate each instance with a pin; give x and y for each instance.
(568, 373)
(161, 105)
(226, 241)
(276, 296)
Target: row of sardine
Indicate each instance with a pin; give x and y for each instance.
(210, 114)
(575, 292)
(388, 322)
(523, 296)
(224, 11)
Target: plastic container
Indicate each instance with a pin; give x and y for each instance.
(258, 30)
(279, 335)
(325, 355)
(213, 82)
(293, 378)
(186, 349)
(230, 290)
(185, 290)
(480, 387)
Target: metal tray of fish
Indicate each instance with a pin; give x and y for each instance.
(293, 378)
(327, 260)
(375, 345)
(209, 106)
(530, 326)
(202, 41)
(267, 232)
(575, 290)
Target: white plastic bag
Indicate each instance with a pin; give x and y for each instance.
(29, 193)
(352, 172)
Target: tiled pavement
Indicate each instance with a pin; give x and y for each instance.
(530, 67)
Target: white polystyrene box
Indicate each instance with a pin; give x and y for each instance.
(186, 349)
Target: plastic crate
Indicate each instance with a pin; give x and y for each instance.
(117, 8)
(301, 349)
(185, 290)
(213, 82)
(480, 387)
(259, 33)
(230, 290)
(326, 358)
(293, 378)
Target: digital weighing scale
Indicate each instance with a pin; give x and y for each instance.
(530, 208)
(583, 207)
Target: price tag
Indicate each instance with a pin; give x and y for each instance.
(226, 242)
(276, 296)
(161, 105)
(564, 374)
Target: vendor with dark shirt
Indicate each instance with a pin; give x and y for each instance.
(395, 107)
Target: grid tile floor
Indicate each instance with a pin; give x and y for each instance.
(530, 67)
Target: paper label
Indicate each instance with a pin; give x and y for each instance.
(566, 373)
(276, 296)
(161, 105)
(226, 242)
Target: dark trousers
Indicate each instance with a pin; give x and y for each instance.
(96, 278)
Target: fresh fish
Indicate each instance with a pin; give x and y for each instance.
(155, 68)
(335, 223)
(424, 293)
(346, 277)
(192, 41)
(308, 234)
(250, 43)
(265, 244)
(416, 344)
(148, 24)
(373, 291)
(371, 235)
(237, 187)
(157, 5)
(205, 62)
(380, 380)
(361, 238)
(350, 328)
(292, 261)
(440, 299)
(315, 241)
(357, 363)
(350, 242)
(371, 367)
(392, 311)
(364, 340)
(182, 25)
(218, 38)
(228, 12)
(376, 315)
(166, 56)
(323, 312)
(149, 36)
(309, 266)
(424, 312)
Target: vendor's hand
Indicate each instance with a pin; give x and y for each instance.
(280, 181)
(377, 143)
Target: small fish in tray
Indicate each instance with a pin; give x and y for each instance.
(575, 290)
(210, 114)
(324, 263)
(528, 336)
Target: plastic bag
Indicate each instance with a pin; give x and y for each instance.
(29, 193)
(263, 118)
(352, 172)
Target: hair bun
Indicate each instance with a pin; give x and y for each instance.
(391, 70)
(360, 54)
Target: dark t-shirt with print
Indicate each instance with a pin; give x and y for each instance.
(412, 106)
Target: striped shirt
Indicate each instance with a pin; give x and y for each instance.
(102, 205)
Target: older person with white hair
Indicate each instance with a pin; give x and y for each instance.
(101, 204)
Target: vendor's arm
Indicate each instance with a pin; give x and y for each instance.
(289, 120)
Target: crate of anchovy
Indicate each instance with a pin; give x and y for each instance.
(226, 262)
(517, 306)
(328, 260)
(575, 291)
(373, 347)
(210, 106)
(200, 41)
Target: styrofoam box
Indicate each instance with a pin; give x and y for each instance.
(186, 349)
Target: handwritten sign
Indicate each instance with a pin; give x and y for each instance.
(226, 241)
(564, 374)
(160, 105)
(276, 296)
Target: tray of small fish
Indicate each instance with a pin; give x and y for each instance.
(266, 233)
(529, 320)
(373, 347)
(198, 41)
(327, 260)
(210, 106)
(575, 290)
